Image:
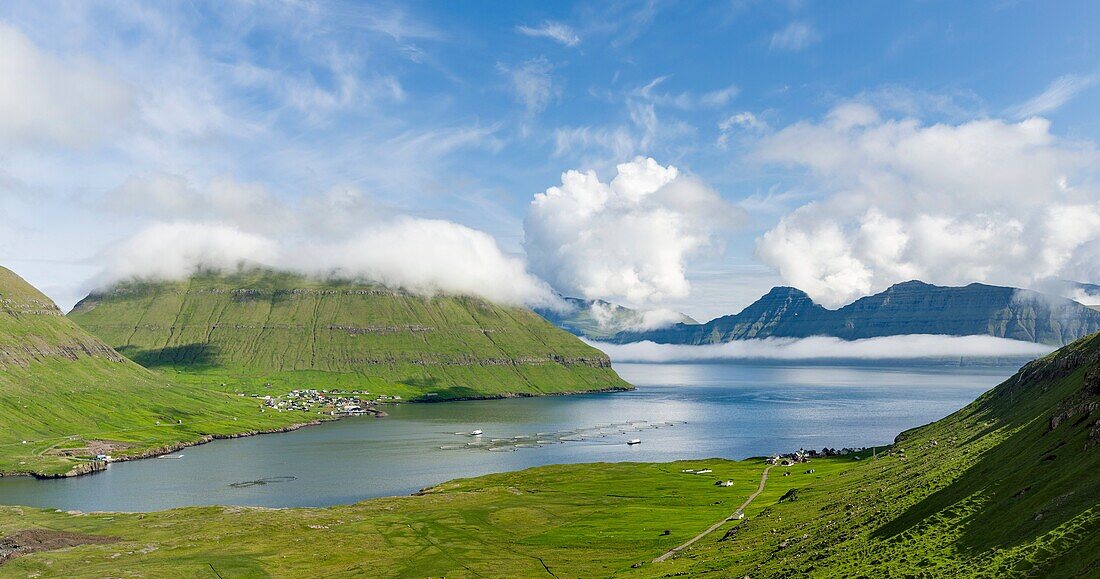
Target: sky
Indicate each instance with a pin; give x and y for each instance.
(656, 154)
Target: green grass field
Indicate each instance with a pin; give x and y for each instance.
(260, 327)
(1004, 487)
(577, 520)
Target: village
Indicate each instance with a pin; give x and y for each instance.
(331, 402)
(802, 455)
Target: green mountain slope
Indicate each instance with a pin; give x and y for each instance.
(1006, 487)
(911, 307)
(289, 331)
(66, 396)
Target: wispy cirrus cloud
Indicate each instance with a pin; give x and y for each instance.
(794, 37)
(557, 31)
(1059, 92)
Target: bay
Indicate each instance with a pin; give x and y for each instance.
(679, 411)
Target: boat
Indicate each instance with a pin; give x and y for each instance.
(477, 432)
(634, 441)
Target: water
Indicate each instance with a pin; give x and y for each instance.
(726, 410)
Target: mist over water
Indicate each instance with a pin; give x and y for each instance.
(731, 410)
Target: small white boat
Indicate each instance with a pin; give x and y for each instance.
(634, 441)
(477, 432)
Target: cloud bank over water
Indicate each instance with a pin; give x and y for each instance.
(908, 347)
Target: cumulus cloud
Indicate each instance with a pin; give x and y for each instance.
(45, 99)
(909, 347)
(419, 255)
(794, 37)
(556, 31)
(985, 200)
(629, 238)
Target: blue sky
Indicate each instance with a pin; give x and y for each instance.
(131, 114)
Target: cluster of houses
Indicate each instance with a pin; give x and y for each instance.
(802, 455)
(333, 402)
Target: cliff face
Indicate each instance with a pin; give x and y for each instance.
(907, 308)
(282, 326)
(33, 329)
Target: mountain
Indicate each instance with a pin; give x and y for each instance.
(911, 307)
(600, 320)
(65, 395)
(1005, 487)
(288, 331)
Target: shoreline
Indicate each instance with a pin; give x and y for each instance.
(510, 395)
(93, 466)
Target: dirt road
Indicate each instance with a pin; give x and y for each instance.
(712, 528)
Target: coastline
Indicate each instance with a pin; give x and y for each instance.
(508, 395)
(94, 466)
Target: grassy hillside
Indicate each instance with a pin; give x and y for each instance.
(264, 327)
(66, 396)
(1007, 486)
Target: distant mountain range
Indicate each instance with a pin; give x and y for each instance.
(601, 320)
(911, 307)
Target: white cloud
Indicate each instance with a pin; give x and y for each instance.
(794, 37)
(45, 99)
(532, 84)
(985, 200)
(719, 98)
(685, 100)
(419, 255)
(165, 251)
(170, 196)
(630, 238)
(615, 318)
(908, 347)
(428, 256)
(745, 121)
(1058, 93)
(556, 31)
(1085, 296)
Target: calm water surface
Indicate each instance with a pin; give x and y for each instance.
(728, 410)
